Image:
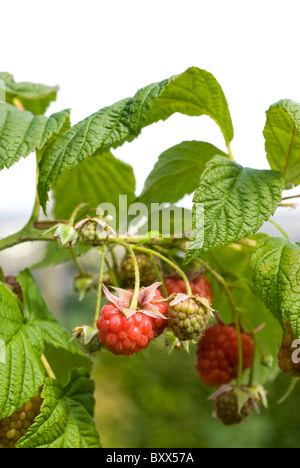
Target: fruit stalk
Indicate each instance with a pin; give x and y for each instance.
(169, 262)
(100, 284)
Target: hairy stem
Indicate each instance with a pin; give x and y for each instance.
(100, 284)
(160, 278)
(81, 207)
(235, 315)
(229, 151)
(283, 232)
(169, 262)
(111, 273)
(74, 257)
(134, 300)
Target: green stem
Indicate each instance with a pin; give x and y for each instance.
(288, 205)
(47, 367)
(111, 273)
(169, 262)
(279, 229)
(115, 262)
(79, 267)
(251, 375)
(17, 103)
(134, 300)
(235, 315)
(75, 213)
(289, 391)
(229, 151)
(27, 234)
(100, 284)
(289, 198)
(240, 350)
(159, 276)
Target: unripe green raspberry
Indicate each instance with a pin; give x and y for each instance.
(148, 274)
(189, 318)
(15, 426)
(90, 235)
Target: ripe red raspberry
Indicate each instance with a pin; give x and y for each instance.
(285, 361)
(227, 409)
(15, 426)
(217, 355)
(126, 331)
(200, 286)
(159, 324)
(122, 335)
(188, 318)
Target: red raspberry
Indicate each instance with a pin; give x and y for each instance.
(123, 330)
(122, 335)
(217, 355)
(159, 324)
(200, 286)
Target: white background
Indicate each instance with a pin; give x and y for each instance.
(103, 51)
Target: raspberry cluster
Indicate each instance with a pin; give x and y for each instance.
(15, 426)
(217, 354)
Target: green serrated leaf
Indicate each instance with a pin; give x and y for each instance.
(177, 172)
(21, 133)
(275, 266)
(194, 92)
(230, 203)
(33, 96)
(96, 180)
(65, 420)
(21, 371)
(45, 325)
(282, 140)
(24, 331)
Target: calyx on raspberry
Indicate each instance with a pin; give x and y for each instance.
(123, 330)
(234, 404)
(88, 339)
(189, 316)
(218, 356)
(84, 284)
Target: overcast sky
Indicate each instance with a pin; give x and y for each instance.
(102, 51)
